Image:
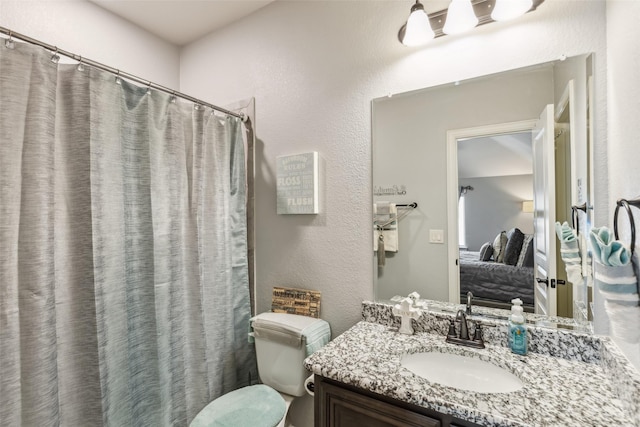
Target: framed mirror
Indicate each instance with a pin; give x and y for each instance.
(414, 135)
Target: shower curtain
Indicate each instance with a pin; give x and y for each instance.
(124, 295)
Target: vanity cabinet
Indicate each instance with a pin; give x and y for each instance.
(341, 405)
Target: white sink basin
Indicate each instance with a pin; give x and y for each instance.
(462, 372)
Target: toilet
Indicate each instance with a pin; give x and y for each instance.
(282, 342)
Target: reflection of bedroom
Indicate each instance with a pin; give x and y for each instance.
(495, 175)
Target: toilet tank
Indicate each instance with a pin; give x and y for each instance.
(283, 341)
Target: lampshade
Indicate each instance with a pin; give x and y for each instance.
(460, 17)
(509, 9)
(418, 29)
(527, 206)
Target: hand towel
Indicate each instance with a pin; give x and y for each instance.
(615, 278)
(618, 287)
(385, 224)
(606, 249)
(570, 252)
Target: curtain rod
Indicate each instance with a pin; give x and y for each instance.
(119, 73)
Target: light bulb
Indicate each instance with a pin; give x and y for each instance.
(509, 9)
(418, 29)
(460, 17)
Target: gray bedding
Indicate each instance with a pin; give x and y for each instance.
(494, 281)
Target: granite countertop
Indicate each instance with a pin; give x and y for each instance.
(556, 392)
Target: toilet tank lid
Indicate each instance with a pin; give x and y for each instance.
(293, 323)
(292, 329)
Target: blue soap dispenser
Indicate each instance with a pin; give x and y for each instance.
(517, 328)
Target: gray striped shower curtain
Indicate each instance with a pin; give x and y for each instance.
(124, 295)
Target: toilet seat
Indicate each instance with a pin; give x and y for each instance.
(251, 406)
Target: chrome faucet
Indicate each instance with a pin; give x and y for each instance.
(462, 338)
(469, 298)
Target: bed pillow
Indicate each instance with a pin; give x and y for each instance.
(515, 237)
(486, 251)
(528, 255)
(499, 244)
(528, 240)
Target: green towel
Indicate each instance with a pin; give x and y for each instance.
(615, 276)
(316, 336)
(313, 337)
(606, 249)
(613, 271)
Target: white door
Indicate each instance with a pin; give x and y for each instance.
(544, 217)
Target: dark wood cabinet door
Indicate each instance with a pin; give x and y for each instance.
(340, 407)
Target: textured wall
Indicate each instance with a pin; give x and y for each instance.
(88, 30)
(623, 50)
(314, 67)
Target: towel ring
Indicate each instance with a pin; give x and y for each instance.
(627, 206)
(574, 215)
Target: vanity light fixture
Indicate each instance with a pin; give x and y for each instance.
(462, 15)
(505, 10)
(417, 30)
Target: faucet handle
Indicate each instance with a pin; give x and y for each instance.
(477, 334)
(452, 329)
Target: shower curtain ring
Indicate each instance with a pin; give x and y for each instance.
(148, 88)
(118, 79)
(80, 66)
(9, 43)
(173, 97)
(55, 57)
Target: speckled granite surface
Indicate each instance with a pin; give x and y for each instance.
(557, 391)
(572, 344)
(625, 379)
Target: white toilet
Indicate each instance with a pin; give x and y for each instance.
(282, 341)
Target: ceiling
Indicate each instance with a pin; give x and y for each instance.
(181, 21)
(497, 155)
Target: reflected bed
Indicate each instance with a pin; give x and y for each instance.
(493, 282)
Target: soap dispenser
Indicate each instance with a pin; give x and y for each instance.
(517, 328)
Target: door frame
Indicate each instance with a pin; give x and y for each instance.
(544, 238)
(570, 293)
(453, 135)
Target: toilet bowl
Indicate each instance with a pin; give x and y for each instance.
(282, 342)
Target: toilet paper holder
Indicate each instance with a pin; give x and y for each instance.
(309, 386)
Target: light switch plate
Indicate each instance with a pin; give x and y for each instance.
(436, 236)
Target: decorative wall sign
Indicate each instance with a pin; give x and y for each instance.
(389, 190)
(296, 301)
(297, 184)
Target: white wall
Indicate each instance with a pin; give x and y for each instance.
(495, 205)
(83, 28)
(623, 49)
(314, 67)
